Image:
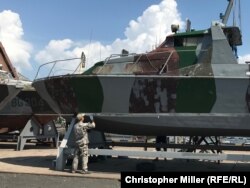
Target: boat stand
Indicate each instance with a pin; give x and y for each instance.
(205, 140)
(195, 149)
(34, 130)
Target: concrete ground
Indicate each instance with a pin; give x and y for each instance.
(33, 167)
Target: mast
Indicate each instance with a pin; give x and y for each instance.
(225, 16)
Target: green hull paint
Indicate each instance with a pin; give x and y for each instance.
(89, 93)
(187, 57)
(193, 95)
(196, 95)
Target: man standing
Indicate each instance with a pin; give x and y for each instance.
(82, 141)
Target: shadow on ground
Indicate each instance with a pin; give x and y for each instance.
(29, 145)
(117, 165)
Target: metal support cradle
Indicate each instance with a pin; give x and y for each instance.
(34, 130)
(187, 150)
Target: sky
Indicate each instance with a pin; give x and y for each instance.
(34, 32)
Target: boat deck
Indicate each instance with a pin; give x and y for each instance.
(36, 164)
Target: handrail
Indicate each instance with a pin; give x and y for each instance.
(105, 62)
(54, 63)
(150, 62)
(132, 54)
(114, 55)
(166, 63)
(136, 60)
(146, 55)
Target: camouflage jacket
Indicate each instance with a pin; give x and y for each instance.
(81, 134)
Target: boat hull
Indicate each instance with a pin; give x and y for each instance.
(140, 94)
(176, 124)
(10, 123)
(153, 105)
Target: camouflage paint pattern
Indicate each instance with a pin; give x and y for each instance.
(191, 84)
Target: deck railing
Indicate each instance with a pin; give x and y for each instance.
(136, 62)
(53, 71)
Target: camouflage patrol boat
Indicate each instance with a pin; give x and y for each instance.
(190, 85)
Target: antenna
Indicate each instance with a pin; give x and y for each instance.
(188, 25)
(83, 60)
(81, 66)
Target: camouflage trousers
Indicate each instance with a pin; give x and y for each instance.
(81, 153)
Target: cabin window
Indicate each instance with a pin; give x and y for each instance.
(178, 42)
(173, 42)
(121, 68)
